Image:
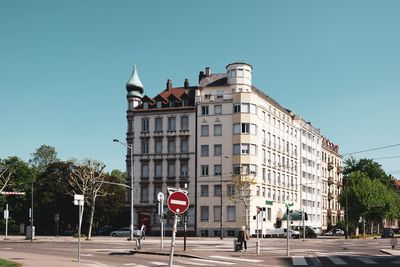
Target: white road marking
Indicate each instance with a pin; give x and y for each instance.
(337, 261)
(217, 262)
(235, 259)
(366, 260)
(157, 263)
(299, 260)
(186, 263)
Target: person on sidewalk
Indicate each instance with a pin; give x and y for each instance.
(243, 237)
(143, 229)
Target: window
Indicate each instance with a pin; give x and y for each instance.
(217, 170)
(217, 109)
(217, 150)
(245, 107)
(171, 146)
(184, 169)
(244, 149)
(245, 127)
(269, 214)
(204, 110)
(204, 190)
(184, 145)
(204, 213)
(158, 146)
(145, 170)
(253, 150)
(231, 213)
(253, 129)
(253, 109)
(240, 73)
(204, 150)
(171, 169)
(204, 170)
(145, 146)
(258, 191)
(145, 125)
(217, 213)
(144, 193)
(184, 123)
(263, 192)
(236, 149)
(158, 169)
(217, 190)
(171, 124)
(204, 130)
(269, 192)
(159, 104)
(230, 190)
(158, 125)
(145, 105)
(217, 129)
(236, 108)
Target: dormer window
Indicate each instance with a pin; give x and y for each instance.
(145, 105)
(172, 102)
(159, 104)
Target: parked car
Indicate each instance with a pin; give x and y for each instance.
(126, 232)
(310, 233)
(335, 232)
(281, 232)
(387, 233)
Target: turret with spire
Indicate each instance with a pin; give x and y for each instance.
(135, 90)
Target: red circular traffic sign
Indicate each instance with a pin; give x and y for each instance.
(178, 202)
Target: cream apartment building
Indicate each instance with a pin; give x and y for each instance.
(243, 135)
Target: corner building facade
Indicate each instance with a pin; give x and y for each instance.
(234, 133)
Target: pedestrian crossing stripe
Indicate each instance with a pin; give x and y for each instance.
(366, 260)
(299, 260)
(217, 262)
(235, 259)
(337, 261)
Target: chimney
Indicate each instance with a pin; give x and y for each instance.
(186, 83)
(201, 75)
(169, 84)
(208, 71)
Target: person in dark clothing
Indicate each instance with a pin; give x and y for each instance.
(243, 237)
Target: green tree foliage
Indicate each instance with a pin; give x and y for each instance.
(369, 191)
(43, 157)
(53, 195)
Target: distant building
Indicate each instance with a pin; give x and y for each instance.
(332, 183)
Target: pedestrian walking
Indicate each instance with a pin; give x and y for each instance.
(243, 237)
(143, 229)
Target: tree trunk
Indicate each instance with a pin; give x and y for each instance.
(89, 235)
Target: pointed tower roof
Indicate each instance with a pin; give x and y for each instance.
(134, 85)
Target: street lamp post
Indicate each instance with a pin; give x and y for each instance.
(220, 227)
(130, 147)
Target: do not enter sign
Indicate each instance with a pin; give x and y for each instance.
(178, 202)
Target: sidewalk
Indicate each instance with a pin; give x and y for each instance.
(393, 252)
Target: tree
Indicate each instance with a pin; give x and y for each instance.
(43, 156)
(370, 168)
(87, 179)
(240, 192)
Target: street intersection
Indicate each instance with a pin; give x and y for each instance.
(110, 251)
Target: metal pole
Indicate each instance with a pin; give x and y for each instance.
(6, 222)
(79, 231)
(347, 211)
(364, 227)
(171, 253)
(162, 225)
(304, 228)
(32, 211)
(287, 232)
(221, 235)
(184, 229)
(132, 211)
(258, 236)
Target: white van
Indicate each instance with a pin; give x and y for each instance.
(281, 232)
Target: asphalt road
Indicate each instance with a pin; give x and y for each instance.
(207, 251)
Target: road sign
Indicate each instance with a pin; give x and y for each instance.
(12, 193)
(269, 202)
(178, 202)
(78, 200)
(160, 197)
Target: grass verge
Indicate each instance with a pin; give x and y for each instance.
(5, 263)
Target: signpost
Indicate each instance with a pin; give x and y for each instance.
(160, 198)
(6, 216)
(78, 201)
(178, 203)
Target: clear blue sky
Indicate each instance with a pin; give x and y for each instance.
(64, 66)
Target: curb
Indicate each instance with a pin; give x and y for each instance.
(389, 252)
